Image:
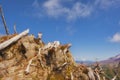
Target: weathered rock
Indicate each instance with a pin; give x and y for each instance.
(42, 61)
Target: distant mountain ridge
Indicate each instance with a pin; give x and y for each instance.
(112, 60)
(85, 62)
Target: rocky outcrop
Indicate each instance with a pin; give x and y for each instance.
(29, 58)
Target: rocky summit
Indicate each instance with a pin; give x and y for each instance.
(29, 58)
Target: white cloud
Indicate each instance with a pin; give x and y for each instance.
(56, 8)
(79, 10)
(75, 10)
(104, 4)
(37, 10)
(115, 38)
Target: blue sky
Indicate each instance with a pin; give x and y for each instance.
(91, 26)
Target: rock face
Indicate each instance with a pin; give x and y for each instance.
(31, 59)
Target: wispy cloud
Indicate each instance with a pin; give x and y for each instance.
(105, 4)
(78, 9)
(36, 4)
(79, 58)
(70, 30)
(56, 8)
(115, 37)
(37, 9)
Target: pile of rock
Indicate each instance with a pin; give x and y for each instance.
(29, 58)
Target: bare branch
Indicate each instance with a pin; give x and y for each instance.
(39, 58)
(3, 19)
(15, 31)
(72, 78)
(114, 78)
(27, 70)
(12, 40)
(91, 74)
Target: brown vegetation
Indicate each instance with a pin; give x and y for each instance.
(29, 58)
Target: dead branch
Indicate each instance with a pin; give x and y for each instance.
(4, 22)
(62, 66)
(27, 70)
(12, 40)
(114, 78)
(15, 31)
(72, 78)
(40, 35)
(39, 58)
(91, 74)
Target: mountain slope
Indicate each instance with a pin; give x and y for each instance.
(112, 60)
